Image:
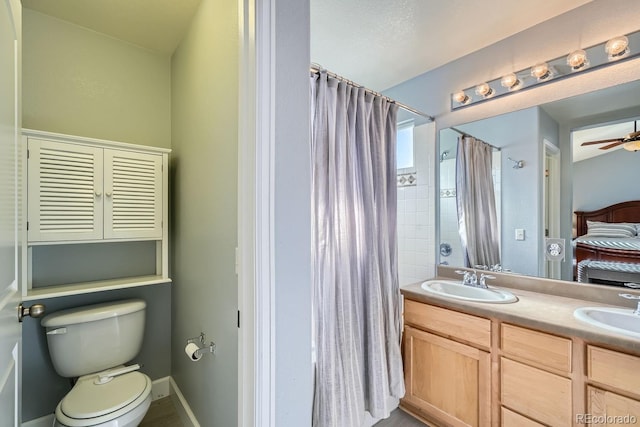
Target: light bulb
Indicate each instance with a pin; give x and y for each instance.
(632, 146)
(617, 47)
(541, 71)
(460, 97)
(483, 89)
(509, 81)
(577, 60)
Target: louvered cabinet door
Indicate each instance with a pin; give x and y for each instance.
(133, 195)
(64, 191)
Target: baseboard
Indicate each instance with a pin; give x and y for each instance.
(46, 421)
(160, 388)
(186, 414)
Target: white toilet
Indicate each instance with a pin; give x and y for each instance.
(93, 343)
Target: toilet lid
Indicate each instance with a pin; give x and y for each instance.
(89, 400)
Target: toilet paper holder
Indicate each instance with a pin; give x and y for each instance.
(204, 347)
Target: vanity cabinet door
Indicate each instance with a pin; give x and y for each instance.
(608, 409)
(447, 381)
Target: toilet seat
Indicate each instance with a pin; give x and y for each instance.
(91, 404)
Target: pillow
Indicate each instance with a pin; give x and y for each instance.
(611, 229)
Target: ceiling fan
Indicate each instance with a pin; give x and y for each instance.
(630, 142)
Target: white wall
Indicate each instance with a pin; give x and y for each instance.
(204, 209)
(292, 216)
(80, 82)
(606, 179)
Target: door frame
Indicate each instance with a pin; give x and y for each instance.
(256, 136)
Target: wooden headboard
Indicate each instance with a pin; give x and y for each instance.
(620, 212)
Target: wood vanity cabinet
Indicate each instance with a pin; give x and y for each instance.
(447, 365)
(465, 370)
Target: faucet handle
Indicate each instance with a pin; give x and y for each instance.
(483, 279)
(630, 296)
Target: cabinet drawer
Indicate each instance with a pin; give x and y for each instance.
(512, 419)
(475, 330)
(615, 369)
(535, 393)
(543, 349)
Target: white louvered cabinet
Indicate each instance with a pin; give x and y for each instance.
(90, 192)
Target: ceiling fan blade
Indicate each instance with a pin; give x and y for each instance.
(602, 141)
(615, 144)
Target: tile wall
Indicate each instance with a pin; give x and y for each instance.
(416, 210)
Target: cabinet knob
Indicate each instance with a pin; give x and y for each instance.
(98, 194)
(108, 194)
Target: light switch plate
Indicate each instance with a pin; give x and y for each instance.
(519, 233)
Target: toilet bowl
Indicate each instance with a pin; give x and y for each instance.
(122, 402)
(92, 343)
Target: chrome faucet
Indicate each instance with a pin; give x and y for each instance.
(633, 297)
(471, 279)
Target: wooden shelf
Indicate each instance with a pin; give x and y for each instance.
(90, 287)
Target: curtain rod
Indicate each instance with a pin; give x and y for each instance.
(316, 69)
(466, 134)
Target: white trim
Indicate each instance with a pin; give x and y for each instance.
(184, 410)
(46, 421)
(160, 388)
(245, 252)
(264, 220)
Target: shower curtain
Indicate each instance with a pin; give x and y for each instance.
(356, 311)
(477, 218)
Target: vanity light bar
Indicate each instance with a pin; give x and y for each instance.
(579, 61)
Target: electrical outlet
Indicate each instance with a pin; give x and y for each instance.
(519, 233)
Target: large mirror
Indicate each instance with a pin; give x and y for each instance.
(541, 177)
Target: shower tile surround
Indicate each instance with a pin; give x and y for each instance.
(416, 211)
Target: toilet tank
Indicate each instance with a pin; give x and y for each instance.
(93, 338)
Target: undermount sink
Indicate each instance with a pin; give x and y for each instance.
(456, 290)
(621, 320)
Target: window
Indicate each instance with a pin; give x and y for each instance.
(404, 148)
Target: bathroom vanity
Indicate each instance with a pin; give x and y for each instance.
(528, 363)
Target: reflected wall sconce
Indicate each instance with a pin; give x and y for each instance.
(517, 164)
(577, 62)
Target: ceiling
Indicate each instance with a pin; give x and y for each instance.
(158, 25)
(381, 43)
(377, 43)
